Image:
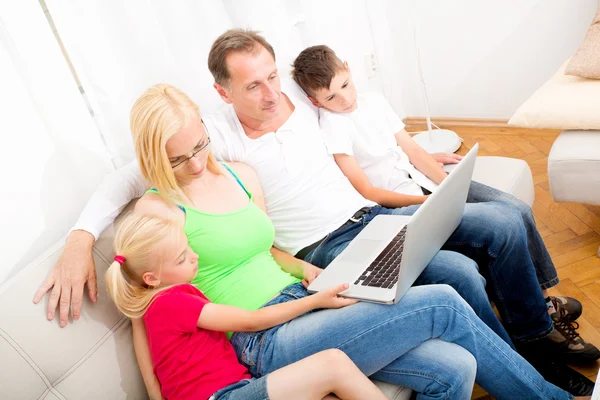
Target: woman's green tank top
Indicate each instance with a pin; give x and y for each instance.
(235, 265)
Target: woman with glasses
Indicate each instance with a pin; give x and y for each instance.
(430, 341)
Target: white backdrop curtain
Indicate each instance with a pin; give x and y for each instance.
(51, 156)
(119, 48)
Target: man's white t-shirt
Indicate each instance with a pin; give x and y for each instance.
(367, 134)
(306, 194)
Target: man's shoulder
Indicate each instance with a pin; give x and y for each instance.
(223, 119)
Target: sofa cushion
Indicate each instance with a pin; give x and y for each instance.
(574, 167)
(563, 102)
(510, 175)
(92, 358)
(586, 61)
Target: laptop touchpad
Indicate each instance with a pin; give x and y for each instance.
(360, 249)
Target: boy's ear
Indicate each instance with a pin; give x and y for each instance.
(223, 92)
(346, 66)
(314, 101)
(150, 279)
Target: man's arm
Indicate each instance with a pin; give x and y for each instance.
(75, 267)
(360, 181)
(418, 157)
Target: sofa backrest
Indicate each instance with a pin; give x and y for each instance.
(91, 358)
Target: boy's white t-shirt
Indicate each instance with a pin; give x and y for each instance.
(367, 134)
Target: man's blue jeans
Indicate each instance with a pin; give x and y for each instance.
(492, 234)
(431, 341)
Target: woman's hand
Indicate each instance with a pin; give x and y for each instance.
(329, 298)
(310, 273)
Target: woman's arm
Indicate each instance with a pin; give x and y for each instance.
(295, 266)
(290, 264)
(359, 180)
(142, 353)
(418, 157)
(217, 317)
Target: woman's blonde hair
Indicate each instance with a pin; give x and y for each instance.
(137, 241)
(158, 114)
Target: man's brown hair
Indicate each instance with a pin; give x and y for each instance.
(233, 41)
(315, 67)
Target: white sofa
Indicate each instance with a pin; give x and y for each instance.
(93, 358)
(574, 167)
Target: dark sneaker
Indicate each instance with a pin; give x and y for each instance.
(557, 371)
(567, 308)
(569, 345)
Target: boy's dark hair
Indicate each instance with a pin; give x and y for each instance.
(233, 41)
(315, 67)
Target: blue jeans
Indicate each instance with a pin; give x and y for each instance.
(246, 389)
(544, 267)
(493, 235)
(394, 343)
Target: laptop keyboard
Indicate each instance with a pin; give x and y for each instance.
(384, 270)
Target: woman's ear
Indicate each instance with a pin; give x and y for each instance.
(150, 279)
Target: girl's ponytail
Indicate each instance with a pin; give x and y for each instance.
(135, 242)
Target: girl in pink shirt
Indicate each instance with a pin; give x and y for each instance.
(191, 355)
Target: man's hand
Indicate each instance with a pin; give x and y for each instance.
(73, 270)
(446, 158)
(310, 273)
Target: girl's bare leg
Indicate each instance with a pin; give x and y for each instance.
(318, 376)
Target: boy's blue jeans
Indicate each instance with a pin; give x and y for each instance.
(544, 267)
(431, 341)
(494, 235)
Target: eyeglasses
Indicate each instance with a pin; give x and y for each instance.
(182, 163)
(196, 151)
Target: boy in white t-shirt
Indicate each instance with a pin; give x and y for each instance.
(365, 135)
(368, 141)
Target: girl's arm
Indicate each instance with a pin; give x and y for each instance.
(422, 160)
(142, 354)
(217, 317)
(359, 180)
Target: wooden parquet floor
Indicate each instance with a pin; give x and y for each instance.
(571, 231)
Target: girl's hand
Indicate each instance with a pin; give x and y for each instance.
(329, 298)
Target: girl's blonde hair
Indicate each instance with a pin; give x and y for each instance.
(158, 114)
(137, 240)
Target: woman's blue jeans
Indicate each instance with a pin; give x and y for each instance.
(431, 341)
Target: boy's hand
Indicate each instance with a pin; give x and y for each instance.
(329, 298)
(447, 158)
(310, 273)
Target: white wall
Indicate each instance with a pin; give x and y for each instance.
(51, 155)
(480, 59)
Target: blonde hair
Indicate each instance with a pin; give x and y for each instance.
(158, 114)
(137, 240)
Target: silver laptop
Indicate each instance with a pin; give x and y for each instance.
(383, 261)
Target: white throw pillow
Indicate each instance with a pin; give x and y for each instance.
(563, 102)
